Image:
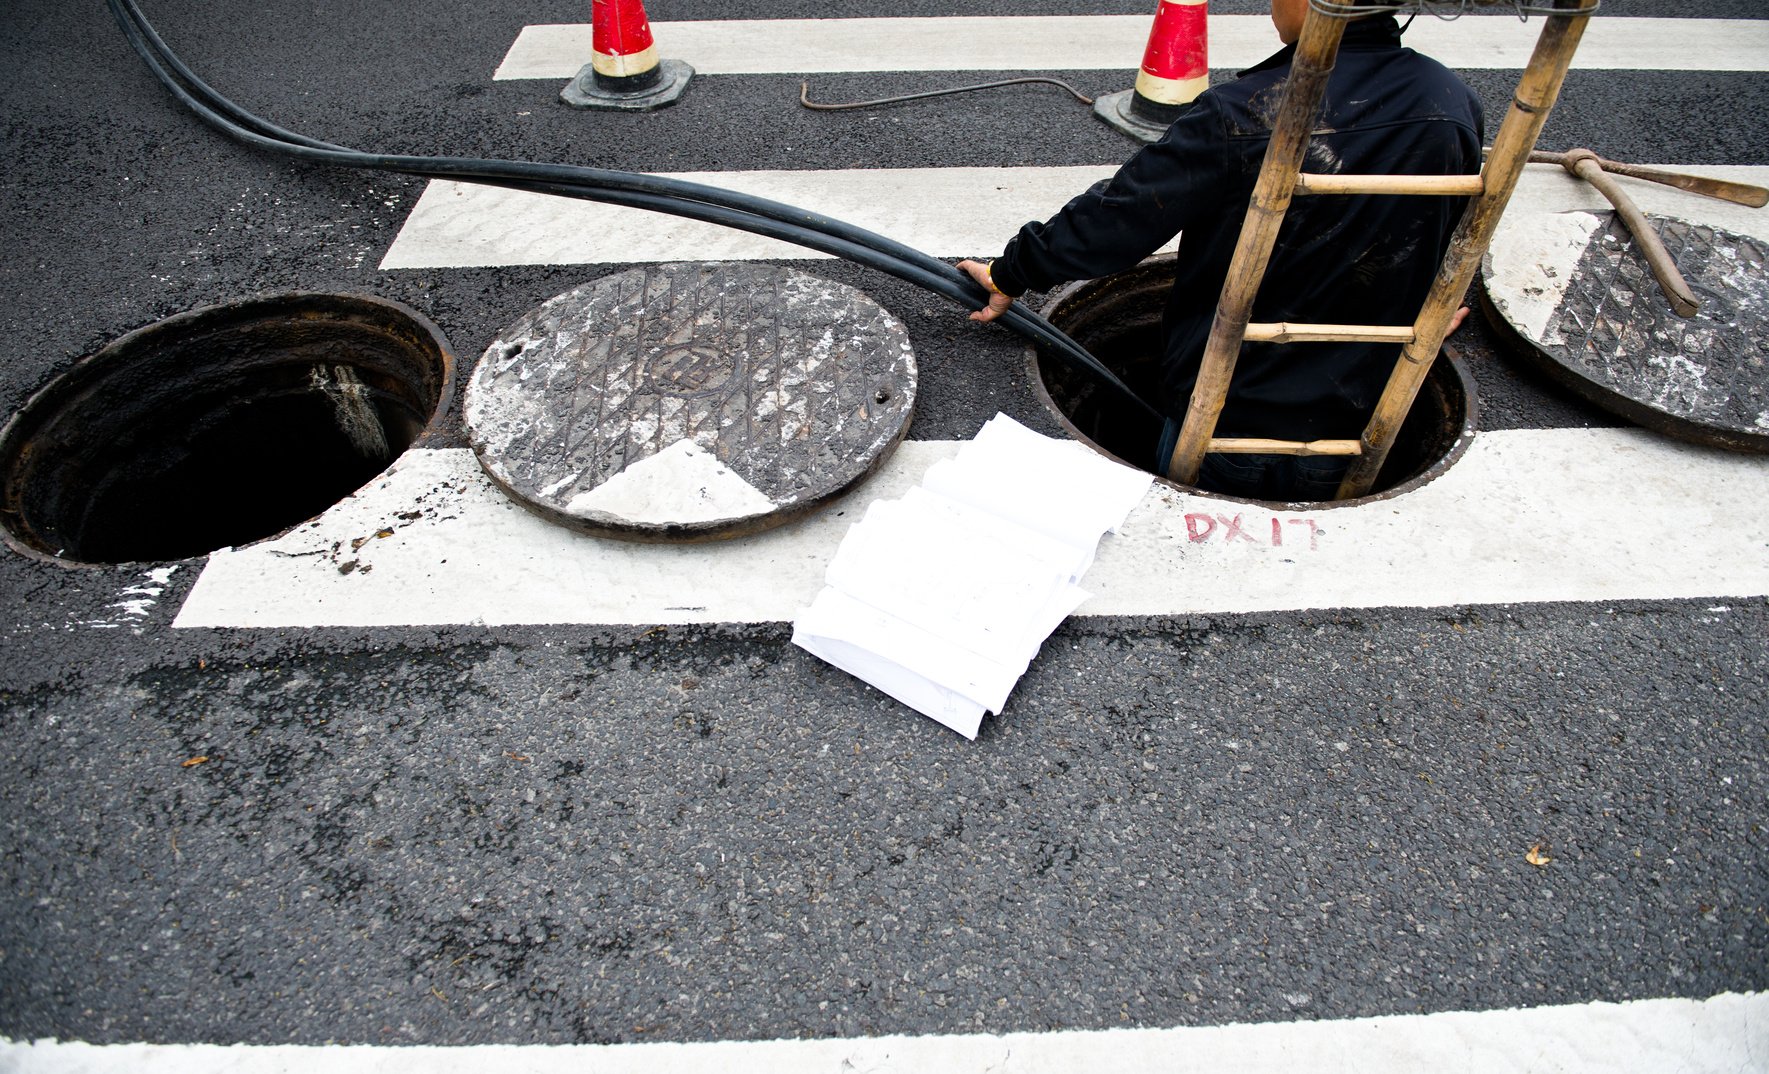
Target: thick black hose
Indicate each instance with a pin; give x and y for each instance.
(655, 193)
(588, 183)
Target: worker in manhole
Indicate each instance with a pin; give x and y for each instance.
(1358, 259)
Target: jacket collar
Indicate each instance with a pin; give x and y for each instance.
(1370, 32)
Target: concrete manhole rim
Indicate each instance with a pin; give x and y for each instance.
(513, 339)
(46, 404)
(1448, 359)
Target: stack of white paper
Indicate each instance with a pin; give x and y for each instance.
(942, 598)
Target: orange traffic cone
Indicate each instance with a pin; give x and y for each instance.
(624, 71)
(1175, 69)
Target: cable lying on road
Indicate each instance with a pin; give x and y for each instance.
(677, 197)
(805, 94)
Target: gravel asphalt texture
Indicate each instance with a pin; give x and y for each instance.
(552, 834)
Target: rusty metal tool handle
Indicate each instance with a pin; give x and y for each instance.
(1754, 197)
(1586, 165)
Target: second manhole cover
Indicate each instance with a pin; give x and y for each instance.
(691, 401)
(1577, 296)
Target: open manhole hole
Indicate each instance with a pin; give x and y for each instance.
(219, 427)
(1118, 320)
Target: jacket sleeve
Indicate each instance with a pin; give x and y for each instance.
(1118, 222)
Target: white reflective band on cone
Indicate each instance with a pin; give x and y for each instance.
(1171, 90)
(624, 66)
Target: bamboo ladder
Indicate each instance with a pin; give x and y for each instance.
(1281, 177)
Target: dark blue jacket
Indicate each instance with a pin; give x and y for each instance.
(1338, 259)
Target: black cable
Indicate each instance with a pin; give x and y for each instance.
(848, 106)
(213, 104)
(656, 193)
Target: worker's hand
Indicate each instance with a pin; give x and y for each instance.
(998, 302)
(1456, 321)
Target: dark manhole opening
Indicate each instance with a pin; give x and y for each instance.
(1118, 320)
(219, 427)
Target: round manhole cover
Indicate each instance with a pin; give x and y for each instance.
(1575, 293)
(692, 401)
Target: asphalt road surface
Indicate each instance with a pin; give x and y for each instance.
(555, 832)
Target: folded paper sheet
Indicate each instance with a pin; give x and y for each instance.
(942, 598)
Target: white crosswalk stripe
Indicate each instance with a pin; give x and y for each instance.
(955, 212)
(1526, 516)
(1720, 1035)
(1115, 42)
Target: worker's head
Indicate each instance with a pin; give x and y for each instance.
(1287, 16)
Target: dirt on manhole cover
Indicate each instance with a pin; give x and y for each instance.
(691, 401)
(1579, 302)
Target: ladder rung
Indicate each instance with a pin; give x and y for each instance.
(1286, 332)
(1250, 446)
(1390, 184)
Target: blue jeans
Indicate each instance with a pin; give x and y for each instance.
(1261, 477)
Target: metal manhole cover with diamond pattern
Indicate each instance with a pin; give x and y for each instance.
(691, 401)
(1577, 295)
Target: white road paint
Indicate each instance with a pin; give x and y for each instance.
(1547, 230)
(1546, 515)
(1722, 1035)
(1530, 265)
(1116, 42)
(955, 212)
(683, 483)
(134, 604)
